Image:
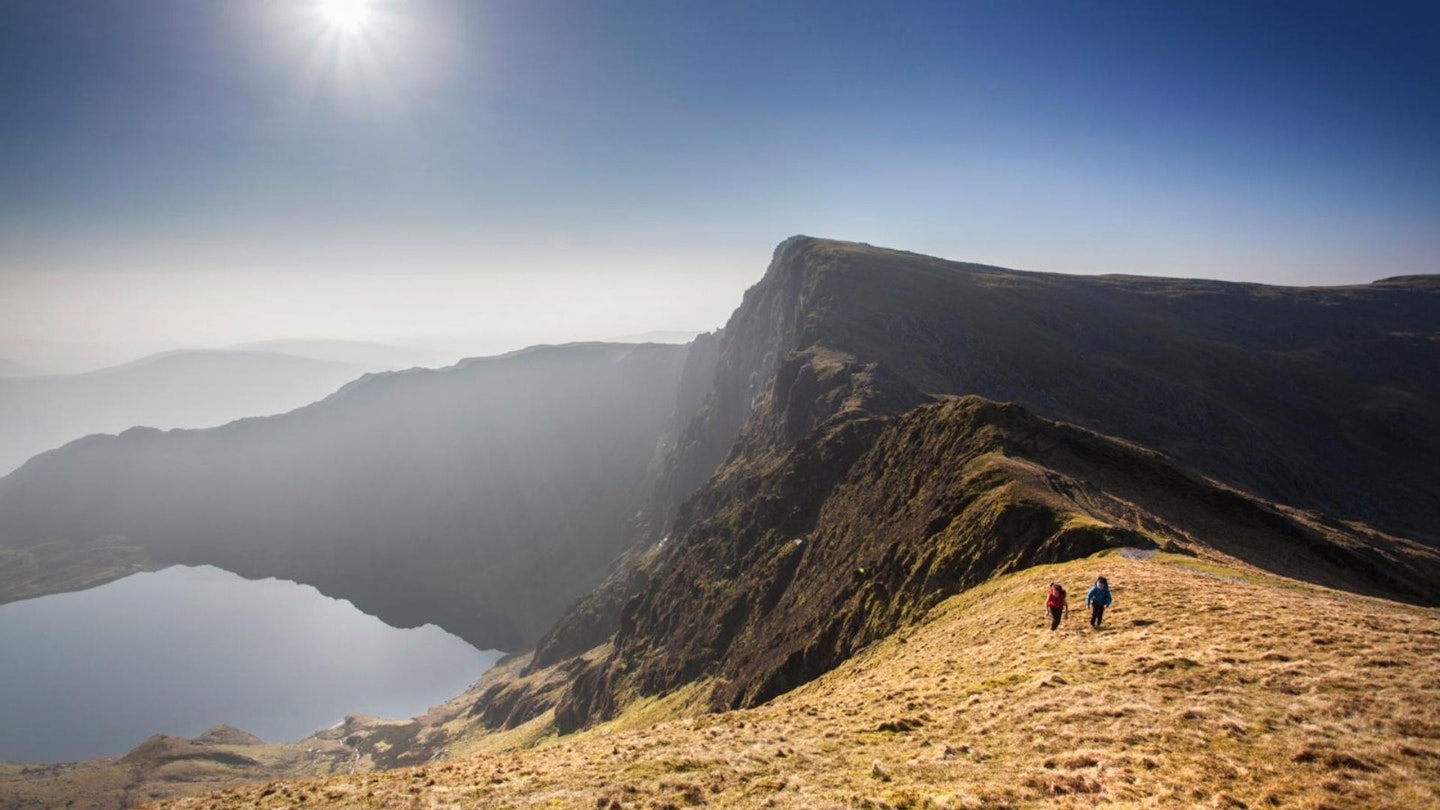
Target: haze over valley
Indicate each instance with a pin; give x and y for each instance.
(644, 405)
(177, 390)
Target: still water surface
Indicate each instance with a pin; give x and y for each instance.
(178, 651)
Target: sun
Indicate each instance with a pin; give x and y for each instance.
(347, 14)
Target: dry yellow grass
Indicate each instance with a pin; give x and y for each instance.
(1207, 688)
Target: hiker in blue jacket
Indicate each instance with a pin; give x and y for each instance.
(1098, 599)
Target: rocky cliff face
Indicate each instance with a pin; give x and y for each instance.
(868, 522)
(482, 497)
(846, 504)
(726, 374)
(1322, 398)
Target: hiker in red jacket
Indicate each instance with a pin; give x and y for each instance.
(1055, 605)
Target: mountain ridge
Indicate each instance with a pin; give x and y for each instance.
(469, 497)
(826, 334)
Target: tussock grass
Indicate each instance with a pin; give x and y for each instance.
(1202, 690)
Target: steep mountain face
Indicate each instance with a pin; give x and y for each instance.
(868, 522)
(725, 374)
(1323, 398)
(186, 389)
(482, 497)
(841, 507)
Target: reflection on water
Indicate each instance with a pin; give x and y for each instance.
(181, 650)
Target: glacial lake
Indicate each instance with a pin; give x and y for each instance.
(178, 651)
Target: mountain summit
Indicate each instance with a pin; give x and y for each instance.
(1322, 398)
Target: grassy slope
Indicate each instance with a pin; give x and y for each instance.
(1211, 686)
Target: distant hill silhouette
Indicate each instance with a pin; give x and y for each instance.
(657, 336)
(79, 356)
(181, 389)
(10, 368)
(378, 356)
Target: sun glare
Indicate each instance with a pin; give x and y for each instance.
(346, 14)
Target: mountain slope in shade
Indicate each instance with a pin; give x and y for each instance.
(1324, 398)
(481, 497)
(183, 389)
(941, 500)
(774, 579)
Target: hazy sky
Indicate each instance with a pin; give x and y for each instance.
(210, 172)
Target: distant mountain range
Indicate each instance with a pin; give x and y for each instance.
(657, 336)
(43, 357)
(182, 389)
(9, 368)
(378, 356)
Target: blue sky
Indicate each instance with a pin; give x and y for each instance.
(664, 142)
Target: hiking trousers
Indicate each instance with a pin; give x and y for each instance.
(1055, 617)
(1097, 612)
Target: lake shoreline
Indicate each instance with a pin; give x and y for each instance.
(179, 649)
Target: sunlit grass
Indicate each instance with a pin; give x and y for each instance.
(1206, 688)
